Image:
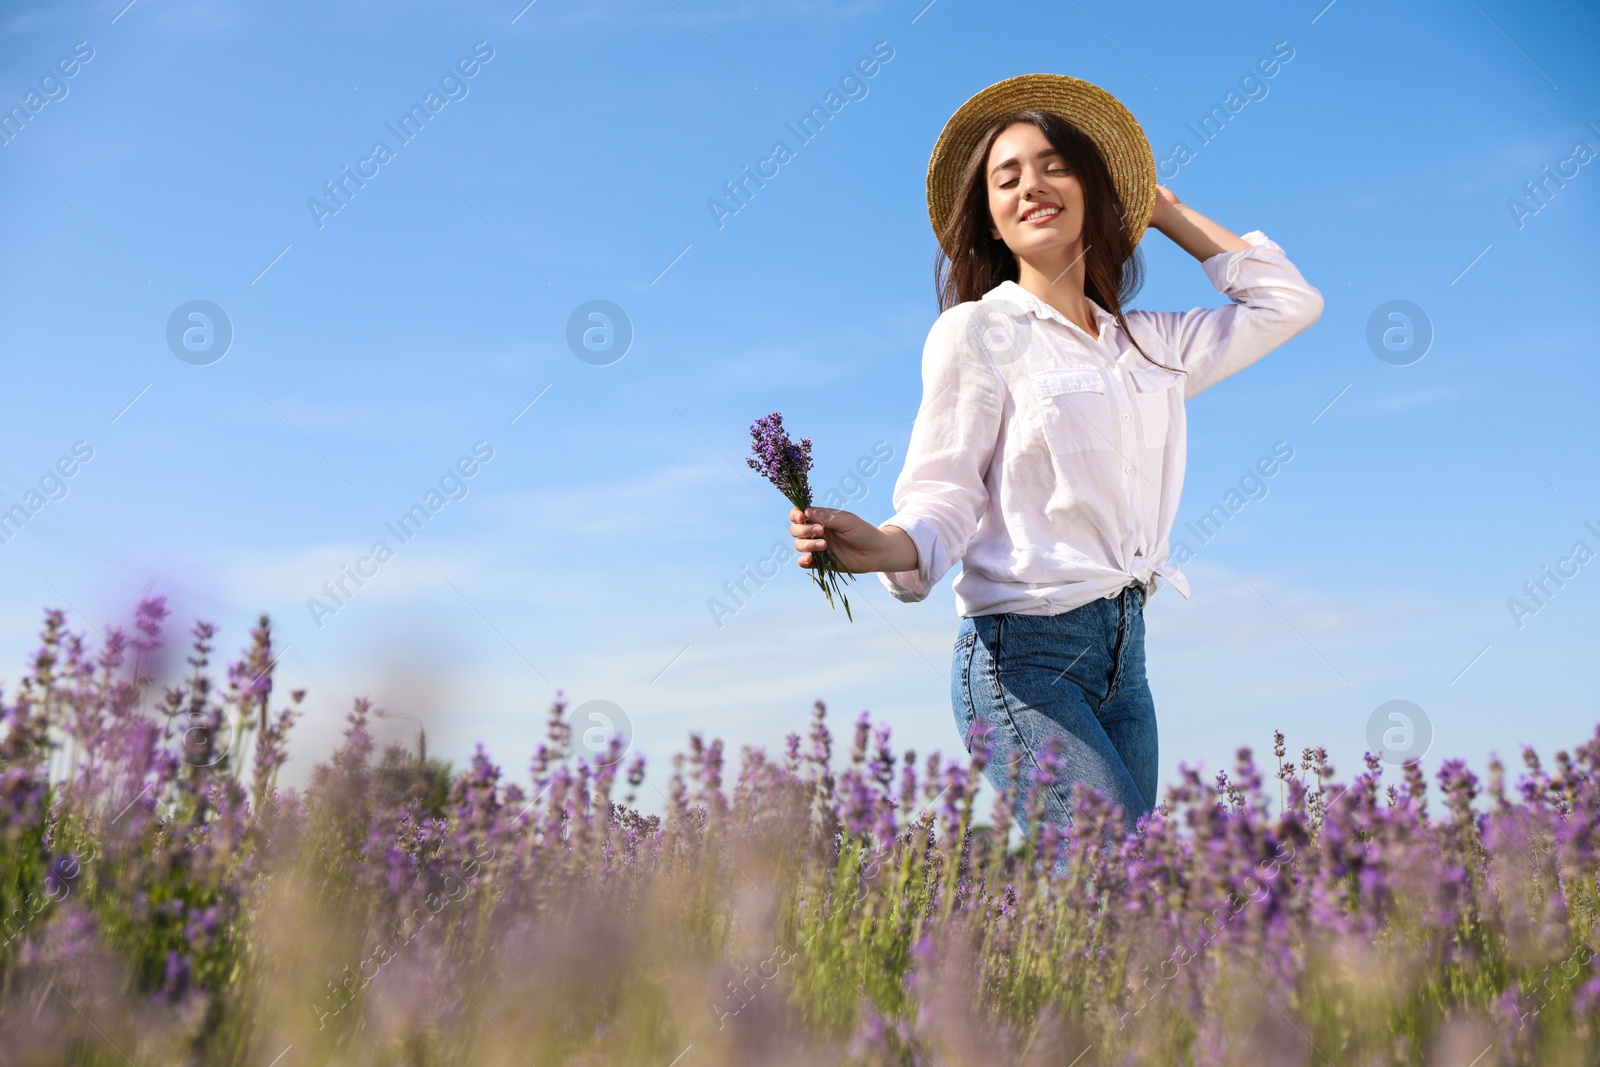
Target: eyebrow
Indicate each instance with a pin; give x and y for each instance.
(1012, 162)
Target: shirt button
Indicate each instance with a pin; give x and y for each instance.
(1127, 470)
(1126, 416)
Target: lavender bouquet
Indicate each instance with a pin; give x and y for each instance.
(785, 464)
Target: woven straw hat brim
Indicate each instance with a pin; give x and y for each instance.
(1096, 112)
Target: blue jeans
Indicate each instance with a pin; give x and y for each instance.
(1077, 678)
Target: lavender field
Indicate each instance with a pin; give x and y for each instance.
(166, 902)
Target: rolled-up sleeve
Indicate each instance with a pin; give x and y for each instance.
(1270, 303)
(940, 494)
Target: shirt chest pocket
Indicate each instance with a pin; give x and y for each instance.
(1153, 394)
(1074, 405)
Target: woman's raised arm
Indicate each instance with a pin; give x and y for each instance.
(1190, 230)
(1269, 300)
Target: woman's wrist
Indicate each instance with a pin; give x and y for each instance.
(1194, 233)
(898, 552)
(1161, 217)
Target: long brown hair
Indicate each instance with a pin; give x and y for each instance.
(1113, 270)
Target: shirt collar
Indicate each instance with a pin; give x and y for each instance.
(1026, 301)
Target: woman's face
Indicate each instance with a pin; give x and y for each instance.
(1035, 200)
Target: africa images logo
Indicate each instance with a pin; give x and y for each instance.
(852, 86)
(452, 86)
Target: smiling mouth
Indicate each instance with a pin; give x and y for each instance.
(1041, 214)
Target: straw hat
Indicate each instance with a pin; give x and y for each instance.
(1096, 112)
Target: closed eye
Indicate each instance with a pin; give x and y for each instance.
(1060, 168)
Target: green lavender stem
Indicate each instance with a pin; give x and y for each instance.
(826, 574)
(824, 569)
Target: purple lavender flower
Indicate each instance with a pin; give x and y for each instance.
(787, 465)
(136, 885)
(781, 461)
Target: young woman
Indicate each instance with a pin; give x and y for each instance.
(1048, 453)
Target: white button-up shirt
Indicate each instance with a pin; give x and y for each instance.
(1049, 462)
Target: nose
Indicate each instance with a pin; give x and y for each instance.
(1030, 184)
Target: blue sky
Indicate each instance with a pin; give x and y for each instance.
(374, 347)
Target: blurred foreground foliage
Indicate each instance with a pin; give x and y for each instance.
(164, 901)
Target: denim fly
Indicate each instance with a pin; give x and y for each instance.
(1077, 678)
